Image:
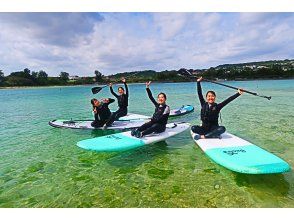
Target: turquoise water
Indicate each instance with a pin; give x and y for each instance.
(41, 166)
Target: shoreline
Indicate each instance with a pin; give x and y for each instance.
(61, 86)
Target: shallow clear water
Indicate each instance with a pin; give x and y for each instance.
(41, 166)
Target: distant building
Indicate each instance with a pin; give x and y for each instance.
(73, 77)
(195, 72)
(260, 67)
(250, 67)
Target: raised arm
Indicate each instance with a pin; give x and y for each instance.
(108, 101)
(199, 91)
(228, 100)
(126, 86)
(111, 90)
(150, 94)
(111, 100)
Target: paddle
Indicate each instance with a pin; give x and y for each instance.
(97, 89)
(184, 72)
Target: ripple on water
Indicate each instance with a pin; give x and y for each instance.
(41, 166)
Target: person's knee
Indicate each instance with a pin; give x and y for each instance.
(161, 129)
(222, 129)
(95, 124)
(195, 128)
(155, 126)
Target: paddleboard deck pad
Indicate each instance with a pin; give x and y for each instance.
(86, 124)
(125, 141)
(241, 156)
(185, 109)
(133, 116)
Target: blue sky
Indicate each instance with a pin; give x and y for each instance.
(80, 43)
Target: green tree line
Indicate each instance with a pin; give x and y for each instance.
(27, 77)
(276, 72)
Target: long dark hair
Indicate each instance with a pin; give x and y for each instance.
(212, 92)
(164, 95)
(121, 88)
(92, 101)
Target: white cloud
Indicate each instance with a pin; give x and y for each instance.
(170, 24)
(79, 43)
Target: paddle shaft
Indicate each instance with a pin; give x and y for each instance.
(232, 87)
(99, 88)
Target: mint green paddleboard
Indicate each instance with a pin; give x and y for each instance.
(125, 141)
(241, 156)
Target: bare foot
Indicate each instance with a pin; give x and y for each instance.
(202, 137)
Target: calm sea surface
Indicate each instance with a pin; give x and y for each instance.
(41, 166)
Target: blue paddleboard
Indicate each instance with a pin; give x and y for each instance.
(185, 109)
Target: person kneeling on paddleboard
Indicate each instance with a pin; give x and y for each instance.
(122, 100)
(159, 119)
(210, 113)
(101, 111)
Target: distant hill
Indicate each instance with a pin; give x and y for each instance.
(272, 69)
(269, 63)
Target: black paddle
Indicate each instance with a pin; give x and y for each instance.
(187, 73)
(97, 89)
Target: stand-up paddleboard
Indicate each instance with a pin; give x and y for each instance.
(185, 109)
(86, 124)
(125, 141)
(241, 156)
(133, 116)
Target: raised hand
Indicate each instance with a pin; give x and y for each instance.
(123, 80)
(240, 91)
(110, 84)
(199, 79)
(148, 84)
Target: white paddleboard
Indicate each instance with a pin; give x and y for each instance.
(133, 116)
(240, 155)
(86, 124)
(125, 141)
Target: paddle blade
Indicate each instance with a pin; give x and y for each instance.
(95, 90)
(185, 72)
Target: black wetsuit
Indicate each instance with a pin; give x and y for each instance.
(209, 116)
(122, 105)
(102, 114)
(159, 119)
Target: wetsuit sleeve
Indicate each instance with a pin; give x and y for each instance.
(151, 97)
(227, 101)
(95, 114)
(163, 117)
(199, 91)
(112, 92)
(110, 101)
(127, 89)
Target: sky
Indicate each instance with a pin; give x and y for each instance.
(80, 43)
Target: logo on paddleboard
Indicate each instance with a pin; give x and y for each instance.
(113, 137)
(233, 152)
